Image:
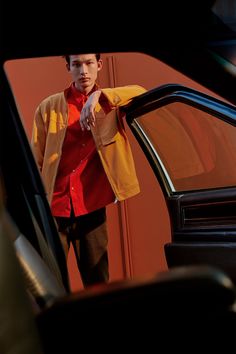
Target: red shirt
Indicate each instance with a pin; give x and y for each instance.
(81, 179)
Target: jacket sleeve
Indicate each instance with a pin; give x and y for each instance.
(119, 96)
(38, 139)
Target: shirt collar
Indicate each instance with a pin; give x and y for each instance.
(72, 91)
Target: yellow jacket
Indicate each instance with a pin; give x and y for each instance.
(49, 128)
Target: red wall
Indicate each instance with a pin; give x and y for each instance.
(139, 227)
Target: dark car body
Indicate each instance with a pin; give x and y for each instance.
(190, 308)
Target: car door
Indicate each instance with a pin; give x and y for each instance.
(189, 138)
(24, 193)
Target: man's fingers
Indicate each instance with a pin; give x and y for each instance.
(87, 118)
(84, 125)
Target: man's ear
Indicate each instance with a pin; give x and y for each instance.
(100, 64)
(67, 66)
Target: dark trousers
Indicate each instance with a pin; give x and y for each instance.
(88, 235)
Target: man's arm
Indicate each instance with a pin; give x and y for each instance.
(119, 96)
(108, 98)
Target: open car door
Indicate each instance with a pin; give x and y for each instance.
(189, 139)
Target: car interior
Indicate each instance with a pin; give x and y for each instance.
(188, 309)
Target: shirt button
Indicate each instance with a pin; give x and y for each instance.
(72, 188)
(83, 144)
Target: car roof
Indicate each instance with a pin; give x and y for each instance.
(49, 31)
(186, 35)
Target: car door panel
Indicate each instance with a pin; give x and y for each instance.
(24, 192)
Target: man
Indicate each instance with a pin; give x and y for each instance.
(85, 159)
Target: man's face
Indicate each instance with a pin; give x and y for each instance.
(84, 70)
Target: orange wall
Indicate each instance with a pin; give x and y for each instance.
(139, 227)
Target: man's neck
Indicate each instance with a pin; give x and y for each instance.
(87, 90)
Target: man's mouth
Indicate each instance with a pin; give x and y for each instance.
(85, 79)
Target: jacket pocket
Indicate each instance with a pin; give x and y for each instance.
(107, 127)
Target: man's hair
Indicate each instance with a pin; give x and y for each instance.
(67, 57)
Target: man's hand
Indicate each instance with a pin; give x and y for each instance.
(87, 115)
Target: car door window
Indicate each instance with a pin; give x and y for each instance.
(194, 149)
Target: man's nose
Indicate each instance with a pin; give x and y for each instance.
(83, 69)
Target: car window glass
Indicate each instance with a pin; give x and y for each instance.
(196, 149)
(131, 254)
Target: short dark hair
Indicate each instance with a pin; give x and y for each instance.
(67, 57)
